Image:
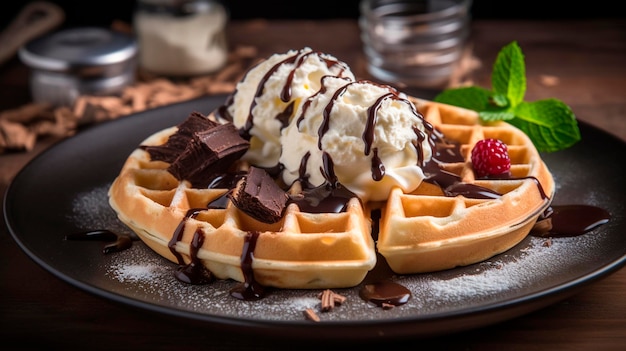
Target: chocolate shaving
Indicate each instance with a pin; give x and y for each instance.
(329, 299)
(387, 306)
(311, 315)
(259, 196)
(328, 303)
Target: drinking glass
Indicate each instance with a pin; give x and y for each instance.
(414, 42)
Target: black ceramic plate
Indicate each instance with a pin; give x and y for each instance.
(63, 191)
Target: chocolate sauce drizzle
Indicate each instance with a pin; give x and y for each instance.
(420, 137)
(372, 112)
(325, 125)
(224, 181)
(178, 233)
(222, 111)
(284, 117)
(310, 99)
(452, 185)
(285, 94)
(259, 91)
(194, 272)
(378, 168)
(249, 289)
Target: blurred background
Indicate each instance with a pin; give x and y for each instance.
(103, 12)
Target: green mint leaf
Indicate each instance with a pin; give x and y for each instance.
(549, 123)
(472, 98)
(496, 115)
(499, 100)
(509, 73)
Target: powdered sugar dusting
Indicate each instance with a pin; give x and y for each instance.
(91, 210)
(536, 261)
(140, 274)
(136, 272)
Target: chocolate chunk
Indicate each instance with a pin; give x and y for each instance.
(259, 196)
(210, 153)
(177, 142)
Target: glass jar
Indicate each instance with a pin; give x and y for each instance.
(181, 38)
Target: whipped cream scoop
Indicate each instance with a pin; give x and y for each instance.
(307, 116)
(269, 95)
(369, 137)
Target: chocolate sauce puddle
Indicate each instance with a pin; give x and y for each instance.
(120, 242)
(385, 293)
(323, 199)
(571, 220)
(377, 286)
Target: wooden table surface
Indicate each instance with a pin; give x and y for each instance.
(37, 310)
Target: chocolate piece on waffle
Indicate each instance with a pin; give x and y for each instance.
(259, 196)
(210, 153)
(177, 142)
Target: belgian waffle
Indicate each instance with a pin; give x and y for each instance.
(425, 230)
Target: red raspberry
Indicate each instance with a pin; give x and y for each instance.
(490, 157)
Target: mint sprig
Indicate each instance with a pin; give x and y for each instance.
(549, 123)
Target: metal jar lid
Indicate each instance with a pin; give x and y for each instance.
(86, 52)
(79, 61)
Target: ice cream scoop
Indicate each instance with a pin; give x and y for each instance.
(269, 95)
(369, 137)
